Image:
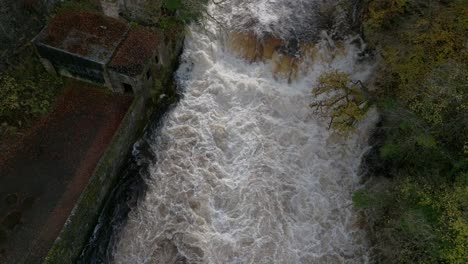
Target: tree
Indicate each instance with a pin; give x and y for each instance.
(342, 100)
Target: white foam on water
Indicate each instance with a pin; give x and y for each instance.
(245, 172)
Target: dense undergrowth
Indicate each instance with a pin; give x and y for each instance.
(421, 216)
(27, 91)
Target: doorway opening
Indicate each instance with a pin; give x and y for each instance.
(148, 74)
(128, 89)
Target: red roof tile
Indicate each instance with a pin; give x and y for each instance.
(134, 52)
(87, 34)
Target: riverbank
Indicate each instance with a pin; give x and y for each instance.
(416, 200)
(43, 173)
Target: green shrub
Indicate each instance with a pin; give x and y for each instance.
(422, 97)
(26, 92)
(364, 199)
(422, 224)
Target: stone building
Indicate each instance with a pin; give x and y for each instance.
(135, 61)
(100, 49)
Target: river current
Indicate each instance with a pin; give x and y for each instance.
(244, 171)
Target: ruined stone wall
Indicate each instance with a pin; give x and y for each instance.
(110, 8)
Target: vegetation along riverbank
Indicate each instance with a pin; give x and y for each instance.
(416, 199)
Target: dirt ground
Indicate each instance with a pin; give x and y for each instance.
(43, 172)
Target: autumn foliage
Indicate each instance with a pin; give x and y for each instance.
(340, 99)
(421, 216)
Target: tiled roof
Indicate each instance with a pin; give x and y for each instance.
(89, 35)
(134, 52)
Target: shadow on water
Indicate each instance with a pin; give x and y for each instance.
(127, 192)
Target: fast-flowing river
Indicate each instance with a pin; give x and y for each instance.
(244, 171)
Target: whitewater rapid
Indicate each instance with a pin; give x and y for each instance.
(244, 170)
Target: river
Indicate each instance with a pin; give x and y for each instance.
(242, 171)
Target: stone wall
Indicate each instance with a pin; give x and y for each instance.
(110, 8)
(71, 65)
(118, 79)
(140, 83)
(81, 221)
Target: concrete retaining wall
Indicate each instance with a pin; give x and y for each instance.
(83, 218)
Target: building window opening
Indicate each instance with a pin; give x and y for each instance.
(128, 89)
(148, 74)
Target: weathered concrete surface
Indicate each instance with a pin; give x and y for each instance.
(43, 175)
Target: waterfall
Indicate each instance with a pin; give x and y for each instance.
(244, 171)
